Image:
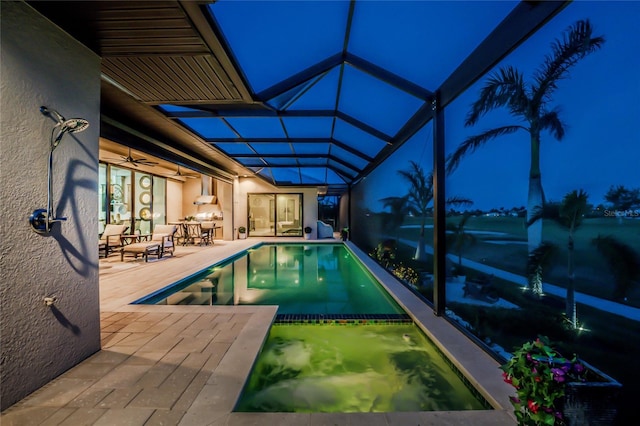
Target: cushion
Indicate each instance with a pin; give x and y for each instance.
(158, 237)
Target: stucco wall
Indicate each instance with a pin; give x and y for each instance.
(254, 185)
(225, 199)
(41, 65)
(174, 206)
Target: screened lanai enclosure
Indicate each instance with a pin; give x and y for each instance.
(485, 151)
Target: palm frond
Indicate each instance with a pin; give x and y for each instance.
(420, 187)
(503, 87)
(397, 205)
(541, 258)
(474, 142)
(573, 208)
(551, 121)
(458, 201)
(577, 42)
(458, 237)
(546, 211)
(623, 261)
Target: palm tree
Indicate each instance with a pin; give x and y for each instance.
(623, 261)
(418, 199)
(572, 210)
(530, 104)
(569, 214)
(398, 207)
(458, 238)
(539, 260)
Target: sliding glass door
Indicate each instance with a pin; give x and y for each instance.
(289, 213)
(275, 215)
(261, 215)
(132, 198)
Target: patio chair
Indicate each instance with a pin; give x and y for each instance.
(198, 233)
(207, 232)
(161, 242)
(111, 239)
(324, 230)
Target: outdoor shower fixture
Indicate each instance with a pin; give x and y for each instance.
(41, 220)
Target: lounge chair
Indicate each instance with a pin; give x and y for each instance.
(324, 230)
(481, 288)
(111, 239)
(161, 243)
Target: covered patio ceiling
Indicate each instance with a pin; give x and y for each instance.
(296, 93)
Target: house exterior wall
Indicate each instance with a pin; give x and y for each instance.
(174, 201)
(344, 212)
(253, 185)
(42, 65)
(191, 189)
(225, 200)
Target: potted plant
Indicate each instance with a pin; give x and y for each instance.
(307, 232)
(553, 390)
(242, 232)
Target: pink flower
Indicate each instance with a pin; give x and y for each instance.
(507, 378)
(558, 375)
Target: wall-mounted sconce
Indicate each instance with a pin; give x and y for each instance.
(41, 220)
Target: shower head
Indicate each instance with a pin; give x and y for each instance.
(72, 125)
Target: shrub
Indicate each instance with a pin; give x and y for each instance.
(539, 374)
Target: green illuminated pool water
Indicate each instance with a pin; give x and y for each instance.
(346, 368)
(299, 278)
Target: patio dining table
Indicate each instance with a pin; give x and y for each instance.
(195, 232)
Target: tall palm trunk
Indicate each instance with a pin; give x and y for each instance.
(421, 254)
(571, 299)
(535, 201)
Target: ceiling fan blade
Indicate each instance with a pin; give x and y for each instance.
(120, 160)
(182, 175)
(179, 173)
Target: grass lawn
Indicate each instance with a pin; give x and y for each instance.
(504, 247)
(609, 342)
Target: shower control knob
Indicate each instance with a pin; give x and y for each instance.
(39, 221)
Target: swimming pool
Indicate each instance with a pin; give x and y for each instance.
(344, 369)
(320, 279)
(339, 342)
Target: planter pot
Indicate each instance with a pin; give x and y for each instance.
(242, 236)
(307, 236)
(592, 403)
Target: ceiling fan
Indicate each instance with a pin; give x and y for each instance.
(184, 175)
(134, 161)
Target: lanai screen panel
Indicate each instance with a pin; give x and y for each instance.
(336, 81)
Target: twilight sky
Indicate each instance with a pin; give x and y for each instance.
(600, 103)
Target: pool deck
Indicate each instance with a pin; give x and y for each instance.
(186, 365)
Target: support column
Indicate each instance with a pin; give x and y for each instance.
(439, 210)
